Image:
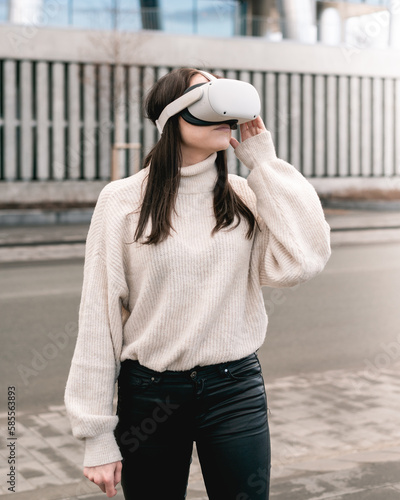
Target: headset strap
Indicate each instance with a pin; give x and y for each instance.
(178, 105)
(181, 103)
(207, 75)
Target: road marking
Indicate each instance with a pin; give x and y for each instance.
(25, 294)
(367, 269)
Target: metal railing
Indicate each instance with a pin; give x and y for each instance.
(115, 172)
(373, 3)
(67, 120)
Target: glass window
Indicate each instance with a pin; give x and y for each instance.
(216, 18)
(3, 11)
(129, 15)
(203, 17)
(383, 3)
(94, 14)
(177, 16)
(54, 13)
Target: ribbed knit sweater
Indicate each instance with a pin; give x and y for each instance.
(192, 299)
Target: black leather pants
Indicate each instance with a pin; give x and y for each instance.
(222, 407)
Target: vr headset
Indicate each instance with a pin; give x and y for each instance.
(216, 101)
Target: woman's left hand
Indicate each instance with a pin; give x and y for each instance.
(249, 129)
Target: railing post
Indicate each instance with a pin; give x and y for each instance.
(115, 173)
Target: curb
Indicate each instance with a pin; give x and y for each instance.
(37, 216)
(373, 205)
(43, 217)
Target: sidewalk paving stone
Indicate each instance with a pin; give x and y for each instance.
(334, 435)
(339, 440)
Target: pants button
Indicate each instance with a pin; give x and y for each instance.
(193, 374)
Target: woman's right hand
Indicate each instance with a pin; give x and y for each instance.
(106, 476)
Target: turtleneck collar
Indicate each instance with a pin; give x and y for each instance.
(200, 177)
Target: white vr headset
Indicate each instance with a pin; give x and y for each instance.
(220, 100)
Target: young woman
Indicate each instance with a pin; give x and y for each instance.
(172, 308)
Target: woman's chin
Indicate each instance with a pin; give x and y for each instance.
(223, 145)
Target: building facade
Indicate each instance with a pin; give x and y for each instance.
(307, 21)
(71, 103)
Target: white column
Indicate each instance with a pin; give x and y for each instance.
(394, 33)
(330, 26)
(298, 20)
(25, 11)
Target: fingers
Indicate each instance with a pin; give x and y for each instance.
(110, 488)
(259, 124)
(117, 474)
(251, 128)
(105, 476)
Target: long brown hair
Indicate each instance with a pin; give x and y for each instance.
(165, 160)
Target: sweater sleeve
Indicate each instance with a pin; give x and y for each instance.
(95, 364)
(293, 245)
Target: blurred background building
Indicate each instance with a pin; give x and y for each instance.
(309, 21)
(73, 75)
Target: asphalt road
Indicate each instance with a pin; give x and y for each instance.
(345, 318)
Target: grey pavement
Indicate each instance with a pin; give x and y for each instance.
(65, 241)
(334, 435)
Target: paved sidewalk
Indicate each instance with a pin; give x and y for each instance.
(335, 435)
(54, 242)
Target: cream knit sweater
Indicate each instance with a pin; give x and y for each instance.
(193, 299)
